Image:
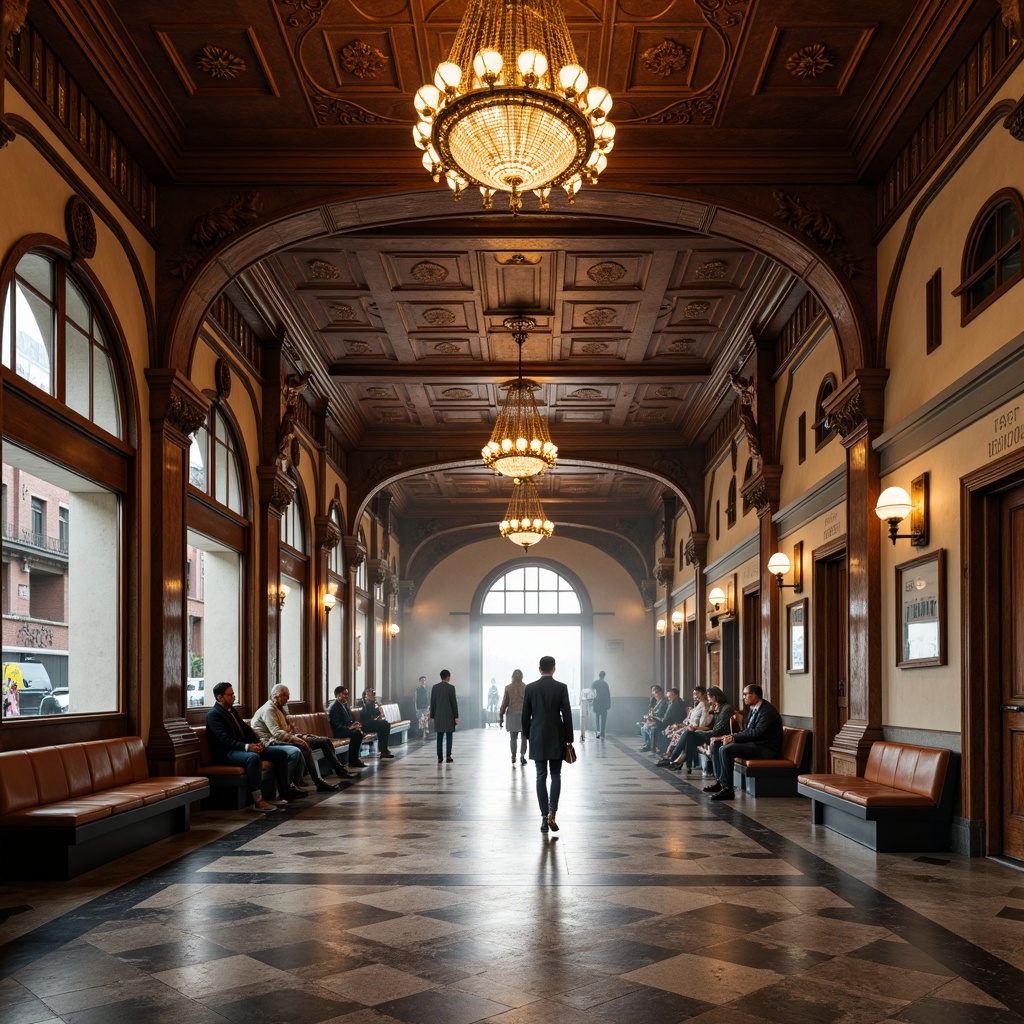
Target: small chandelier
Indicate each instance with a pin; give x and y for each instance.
(510, 109)
(524, 523)
(520, 445)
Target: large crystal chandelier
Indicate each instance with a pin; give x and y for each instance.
(520, 445)
(524, 523)
(510, 110)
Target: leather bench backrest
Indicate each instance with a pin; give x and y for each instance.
(205, 757)
(76, 768)
(17, 782)
(100, 768)
(920, 770)
(137, 756)
(314, 723)
(794, 742)
(120, 760)
(51, 779)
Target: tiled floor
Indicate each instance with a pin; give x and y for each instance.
(426, 893)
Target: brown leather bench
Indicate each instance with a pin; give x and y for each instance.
(227, 781)
(69, 808)
(904, 801)
(774, 776)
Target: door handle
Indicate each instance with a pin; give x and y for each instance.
(1012, 707)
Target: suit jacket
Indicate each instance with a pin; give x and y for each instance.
(341, 719)
(444, 707)
(722, 721)
(764, 728)
(226, 730)
(512, 702)
(602, 696)
(658, 711)
(547, 718)
(675, 715)
(370, 711)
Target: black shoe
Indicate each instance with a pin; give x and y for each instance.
(663, 763)
(357, 764)
(714, 788)
(325, 787)
(676, 768)
(387, 756)
(440, 760)
(544, 825)
(293, 794)
(522, 760)
(449, 759)
(725, 794)
(689, 771)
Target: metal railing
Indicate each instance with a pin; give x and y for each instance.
(40, 541)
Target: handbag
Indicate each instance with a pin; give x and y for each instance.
(570, 754)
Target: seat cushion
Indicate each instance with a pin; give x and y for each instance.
(66, 814)
(18, 789)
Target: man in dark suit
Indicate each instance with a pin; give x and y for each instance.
(344, 725)
(761, 738)
(547, 720)
(233, 742)
(372, 719)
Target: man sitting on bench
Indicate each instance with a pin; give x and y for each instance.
(372, 719)
(345, 727)
(761, 739)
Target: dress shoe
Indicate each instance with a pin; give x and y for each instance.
(644, 749)
(663, 763)
(449, 758)
(357, 764)
(552, 824)
(544, 824)
(387, 756)
(264, 807)
(713, 788)
(689, 771)
(293, 794)
(725, 794)
(522, 760)
(325, 787)
(676, 768)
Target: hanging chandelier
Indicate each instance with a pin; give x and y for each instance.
(520, 445)
(510, 110)
(524, 523)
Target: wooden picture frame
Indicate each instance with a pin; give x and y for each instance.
(921, 611)
(796, 637)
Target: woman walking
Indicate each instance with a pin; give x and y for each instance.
(512, 714)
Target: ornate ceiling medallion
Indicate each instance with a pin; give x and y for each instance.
(342, 313)
(361, 59)
(454, 393)
(607, 272)
(686, 347)
(438, 317)
(358, 348)
(321, 270)
(666, 391)
(666, 58)
(80, 225)
(448, 348)
(219, 63)
(585, 394)
(713, 270)
(427, 272)
(696, 310)
(810, 61)
(599, 316)
(593, 348)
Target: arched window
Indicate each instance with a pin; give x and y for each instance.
(66, 550)
(292, 620)
(336, 586)
(531, 590)
(991, 263)
(822, 431)
(216, 542)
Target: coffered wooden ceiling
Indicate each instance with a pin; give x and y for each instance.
(638, 325)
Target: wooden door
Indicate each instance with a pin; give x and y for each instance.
(1011, 711)
(751, 618)
(831, 650)
(842, 666)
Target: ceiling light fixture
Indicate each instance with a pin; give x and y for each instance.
(510, 110)
(520, 445)
(524, 523)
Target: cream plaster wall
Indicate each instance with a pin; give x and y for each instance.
(938, 243)
(436, 631)
(716, 486)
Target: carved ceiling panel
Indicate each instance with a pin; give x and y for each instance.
(216, 60)
(810, 59)
(604, 272)
(428, 271)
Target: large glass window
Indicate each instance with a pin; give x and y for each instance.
(294, 576)
(992, 256)
(532, 590)
(214, 464)
(50, 322)
(61, 633)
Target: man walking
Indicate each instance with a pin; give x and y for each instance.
(547, 720)
(602, 703)
(444, 711)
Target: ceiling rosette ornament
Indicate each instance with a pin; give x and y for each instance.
(600, 316)
(322, 270)
(362, 60)
(666, 58)
(713, 270)
(428, 272)
(696, 310)
(438, 317)
(811, 61)
(607, 272)
(217, 62)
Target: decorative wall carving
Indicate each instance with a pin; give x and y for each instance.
(341, 313)
(696, 310)
(80, 225)
(332, 110)
(685, 347)
(606, 272)
(427, 272)
(361, 59)
(666, 58)
(457, 393)
(518, 259)
(744, 388)
(217, 62)
(322, 270)
(666, 391)
(358, 348)
(213, 227)
(222, 378)
(648, 593)
(729, 12)
(594, 347)
(355, 553)
(599, 316)
(183, 414)
(302, 13)
(810, 61)
(713, 270)
(6, 133)
(1013, 16)
(846, 418)
(287, 449)
(438, 317)
(586, 394)
(664, 573)
(1014, 122)
(447, 348)
(378, 393)
(819, 227)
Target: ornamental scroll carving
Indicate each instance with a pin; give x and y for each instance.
(845, 419)
(212, 227)
(700, 110)
(817, 226)
(183, 414)
(1014, 122)
(664, 573)
(355, 553)
(744, 388)
(690, 556)
(328, 533)
(728, 12)
(757, 494)
(276, 489)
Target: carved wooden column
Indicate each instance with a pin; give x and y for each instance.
(355, 554)
(13, 17)
(696, 554)
(176, 411)
(762, 491)
(856, 410)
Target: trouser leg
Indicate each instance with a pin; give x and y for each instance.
(542, 786)
(556, 785)
(440, 745)
(512, 738)
(448, 737)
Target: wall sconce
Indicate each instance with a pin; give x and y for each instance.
(779, 566)
(677, 621)
(717, 599)
(393, 630)
(329, 602)
(894, 505)
(282, 594)
(660, 627)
